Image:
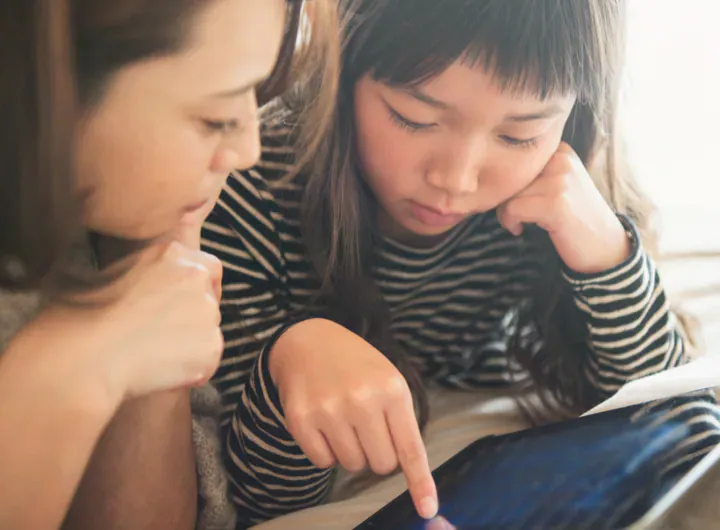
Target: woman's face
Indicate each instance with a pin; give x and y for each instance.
(452, 147)
(168, 131)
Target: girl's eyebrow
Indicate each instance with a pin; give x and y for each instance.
(418, 94)
(549, 112)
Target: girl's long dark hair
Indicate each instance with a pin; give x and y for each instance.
(547, 47)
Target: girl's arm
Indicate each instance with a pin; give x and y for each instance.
(292, 381)
(632, 334)
(142, 474)
(53, 409)
(269, 474)
(631, 329)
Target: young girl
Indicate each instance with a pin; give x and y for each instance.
(449, 233)
(121, 120)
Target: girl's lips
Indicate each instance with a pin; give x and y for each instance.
(434, 218)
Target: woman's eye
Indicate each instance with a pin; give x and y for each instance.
(220, 126)
(519, 142)
(408, 125)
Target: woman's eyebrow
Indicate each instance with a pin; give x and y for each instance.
(239, 91)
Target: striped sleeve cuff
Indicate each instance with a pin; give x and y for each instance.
(614, 279)
(261, 410)
(269, 473)
(631, 330)
(263, 393)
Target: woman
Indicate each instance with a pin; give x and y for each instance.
(121, 121)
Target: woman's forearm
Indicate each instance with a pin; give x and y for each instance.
(51, 417)
(142, 474)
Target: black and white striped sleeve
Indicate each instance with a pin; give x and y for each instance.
(269, 474)
(631, 329)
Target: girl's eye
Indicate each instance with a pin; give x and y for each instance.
(519, 142)
(408, 125)
(222, 127)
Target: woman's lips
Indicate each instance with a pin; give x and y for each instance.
(195, 207)
(433, 217)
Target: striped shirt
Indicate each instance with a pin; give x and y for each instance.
(450, 305)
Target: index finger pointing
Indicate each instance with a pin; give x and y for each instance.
(413, 459)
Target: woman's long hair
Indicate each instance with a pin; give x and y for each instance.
(56, 59)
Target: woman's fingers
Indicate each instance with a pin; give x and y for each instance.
(215, 268)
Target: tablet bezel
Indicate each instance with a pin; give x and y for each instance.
(656, 516)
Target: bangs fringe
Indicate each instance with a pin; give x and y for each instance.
(543, 47)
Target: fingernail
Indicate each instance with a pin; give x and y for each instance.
(444, 525)
(428, 508)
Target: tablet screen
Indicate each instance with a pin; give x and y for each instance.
(597, 472)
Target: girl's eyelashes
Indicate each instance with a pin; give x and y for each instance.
(519, 142)
(406, 124)
(413, 127)
(221, 126)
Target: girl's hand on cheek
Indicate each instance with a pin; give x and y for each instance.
(346, 403)
(564, 201)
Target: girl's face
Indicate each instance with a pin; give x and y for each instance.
(169, 130)
(452, 147)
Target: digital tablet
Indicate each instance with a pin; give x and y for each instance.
(613, 470)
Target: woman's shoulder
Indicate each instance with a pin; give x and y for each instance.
(17, 309)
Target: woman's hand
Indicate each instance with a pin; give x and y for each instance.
(156, 328)
(345, 403)
(564, 201)
(163, 329)
(170, 308)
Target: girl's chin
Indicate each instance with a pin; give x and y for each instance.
(407, 225)
(412, 232)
